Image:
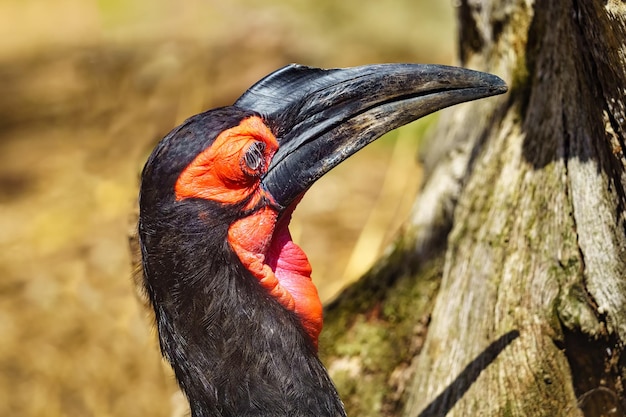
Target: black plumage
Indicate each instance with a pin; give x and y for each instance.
(234, 349)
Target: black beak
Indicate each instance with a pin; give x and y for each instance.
(321, 117)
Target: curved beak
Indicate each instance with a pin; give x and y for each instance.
(321, 117)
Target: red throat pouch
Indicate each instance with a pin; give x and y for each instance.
(266, 249)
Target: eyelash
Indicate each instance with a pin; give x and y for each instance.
(254, 158)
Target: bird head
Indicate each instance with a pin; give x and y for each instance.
(231, 177)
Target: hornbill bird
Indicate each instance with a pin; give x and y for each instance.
(237, 314)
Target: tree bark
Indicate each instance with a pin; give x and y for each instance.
(506, 294)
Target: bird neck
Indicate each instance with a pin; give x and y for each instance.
(235, 350)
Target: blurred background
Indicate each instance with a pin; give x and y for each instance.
(86, 90)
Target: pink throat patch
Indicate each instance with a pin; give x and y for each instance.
(265, 248)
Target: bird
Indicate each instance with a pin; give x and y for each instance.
(237, 314)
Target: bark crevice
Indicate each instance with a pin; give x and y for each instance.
(446, 400)
(594, 362)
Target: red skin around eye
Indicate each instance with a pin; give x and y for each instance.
(216, 173)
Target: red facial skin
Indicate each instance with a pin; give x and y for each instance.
(263, 246)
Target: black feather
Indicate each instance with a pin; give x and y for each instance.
(234, 349)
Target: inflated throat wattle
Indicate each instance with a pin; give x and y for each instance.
(265, 248)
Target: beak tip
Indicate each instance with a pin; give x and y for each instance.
(498, 86)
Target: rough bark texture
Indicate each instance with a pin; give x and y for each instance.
(506, 296)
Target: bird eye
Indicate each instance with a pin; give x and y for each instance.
(254, 158)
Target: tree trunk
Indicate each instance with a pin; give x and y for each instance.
(506, 295)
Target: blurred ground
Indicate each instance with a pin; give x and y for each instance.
(86, 90)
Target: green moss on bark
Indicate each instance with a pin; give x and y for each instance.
(374, 328)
